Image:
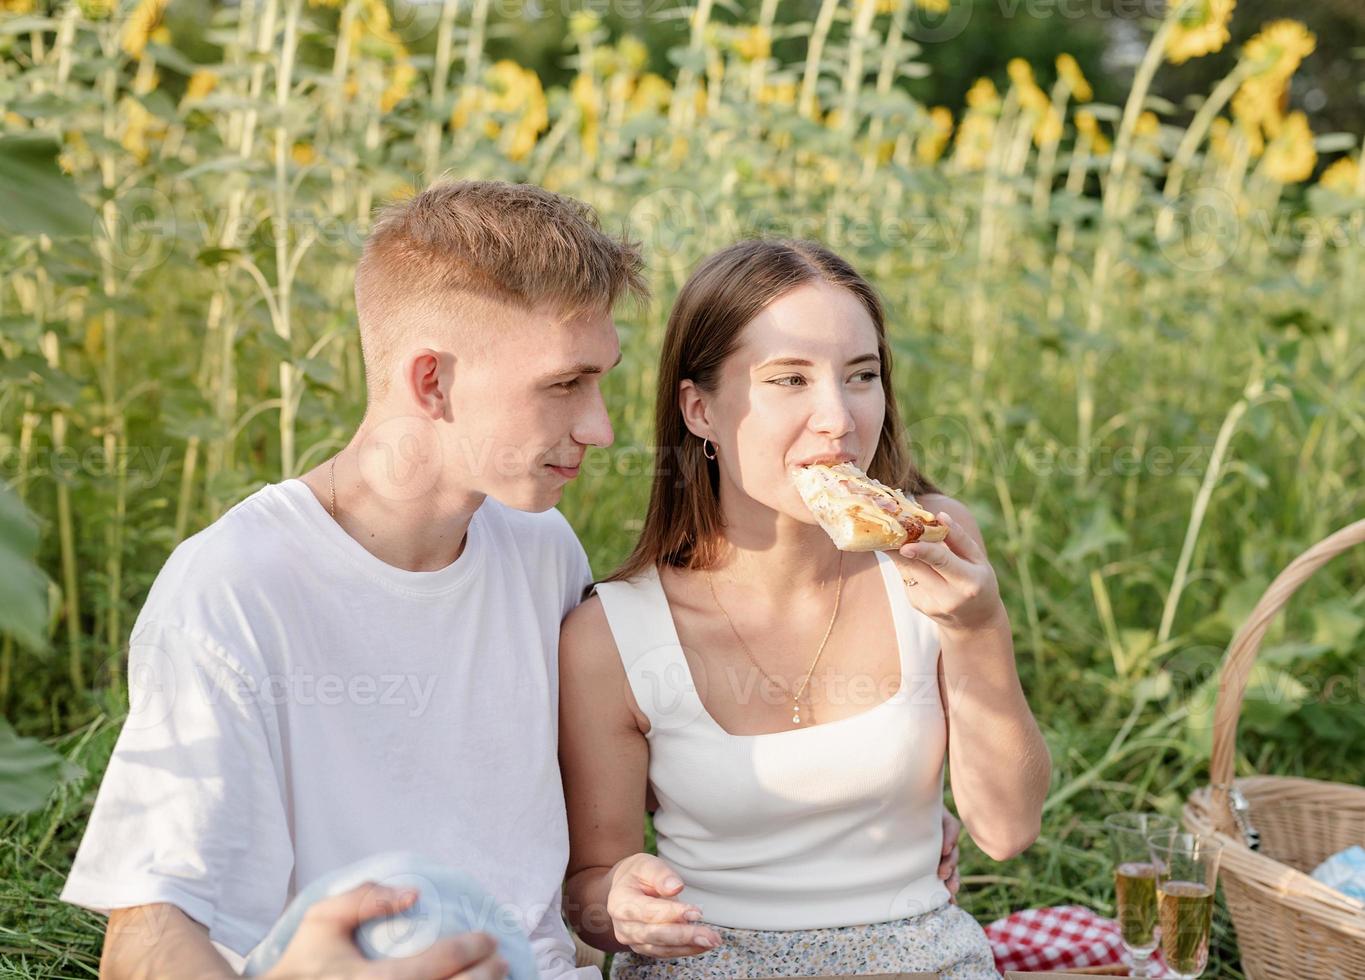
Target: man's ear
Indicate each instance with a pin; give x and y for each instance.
(692, 404)
(428, 375)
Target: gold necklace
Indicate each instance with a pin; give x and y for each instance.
(796, 698)
(332, 482)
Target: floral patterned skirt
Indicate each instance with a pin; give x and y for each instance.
(946, 941)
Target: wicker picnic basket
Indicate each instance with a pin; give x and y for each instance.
(1276, 829)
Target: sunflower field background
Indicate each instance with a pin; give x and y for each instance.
(1129, 335)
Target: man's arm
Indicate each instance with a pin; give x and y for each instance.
(160, 942)
(149, 942)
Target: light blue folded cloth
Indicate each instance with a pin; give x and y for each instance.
(1344, 871)
(448, 902)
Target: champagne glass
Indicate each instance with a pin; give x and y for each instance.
(1186, 874)
(1135, 881)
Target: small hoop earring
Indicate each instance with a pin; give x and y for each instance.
(704, 444)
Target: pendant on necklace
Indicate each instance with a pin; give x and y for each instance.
(796, 713)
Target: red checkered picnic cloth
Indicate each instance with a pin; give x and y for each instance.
(1056, 939)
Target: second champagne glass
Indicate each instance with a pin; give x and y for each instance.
(1186, 875)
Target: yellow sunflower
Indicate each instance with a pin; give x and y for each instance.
(933, 139)
(201, 83)
(972, 144)
(1290, 156)
(1030, 95)
(651, 95)
(778, 93)
(1089, 126)
(1274, 55)
(1199, 30)
(588, 99)
(1343, 176)
(754, 44)
(1070, 73)
(983, 94)
(144, 22)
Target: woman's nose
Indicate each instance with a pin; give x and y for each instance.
(832, 416)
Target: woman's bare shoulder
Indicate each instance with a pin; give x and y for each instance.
(590, 662)
(585, 634)
(589, 610)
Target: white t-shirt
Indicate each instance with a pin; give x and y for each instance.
(298, 704)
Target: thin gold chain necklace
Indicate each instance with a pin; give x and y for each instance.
(796, 698)
(332, 483)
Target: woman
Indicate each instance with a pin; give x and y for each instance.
(782, 706)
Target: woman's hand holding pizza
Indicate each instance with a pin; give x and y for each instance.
(951, 580)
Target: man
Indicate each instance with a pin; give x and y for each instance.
(364, 659)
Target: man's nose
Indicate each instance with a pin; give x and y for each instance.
(594, 428)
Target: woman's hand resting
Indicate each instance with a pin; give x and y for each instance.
(651, 923)
(947, 864)
(646, 919)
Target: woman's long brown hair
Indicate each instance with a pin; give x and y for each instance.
(683, 523)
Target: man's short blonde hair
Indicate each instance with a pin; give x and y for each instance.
(439, 257)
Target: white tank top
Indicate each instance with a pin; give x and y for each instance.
(833, 825)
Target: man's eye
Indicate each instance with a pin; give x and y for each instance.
(568, 385)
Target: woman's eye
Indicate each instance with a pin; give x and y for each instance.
(798, 380)
(568, 385)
